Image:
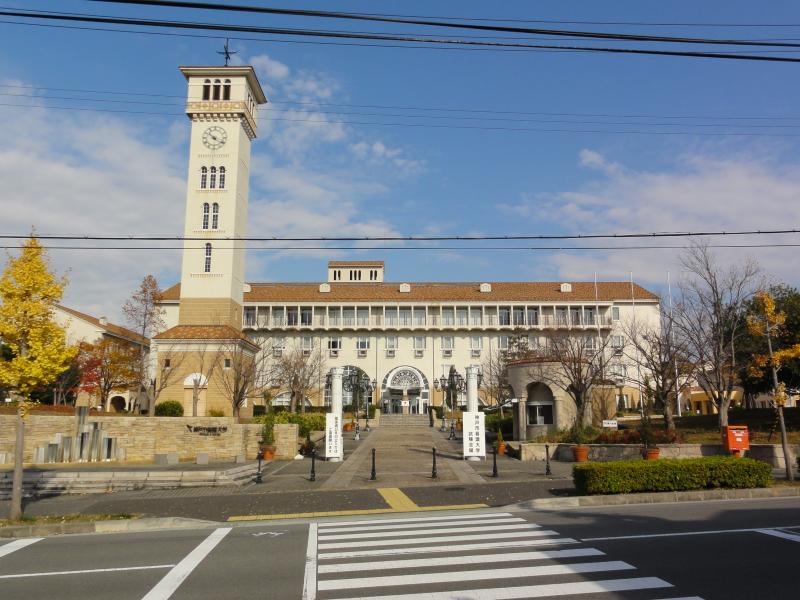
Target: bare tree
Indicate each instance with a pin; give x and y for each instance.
(145, 317)
(494, 369)
(203, 363)
(660, 360)
(168, 370)
(711, 319)
(299, 370)
(573, 363)
(244, 369)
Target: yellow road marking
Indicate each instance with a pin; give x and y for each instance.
(398, 500)
(346, 513)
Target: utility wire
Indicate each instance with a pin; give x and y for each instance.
(387, 37)
(404, 238)
(217, 7)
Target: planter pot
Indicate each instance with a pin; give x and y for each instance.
(501, 449)
(580, 453)
(652, 453)
(268, 452)
(348, 427)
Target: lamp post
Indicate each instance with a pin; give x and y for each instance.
(451, 385)
(360, 384)
(366, 405)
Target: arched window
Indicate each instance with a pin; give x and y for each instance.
(217, 86)
(205, 215)
(213, 182)
(206, 89)
(226, 90)
(207, 265)
(203, 178)
(222, 178)
(215, 216)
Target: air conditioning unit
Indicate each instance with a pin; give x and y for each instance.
(306, 352)
(446, 352)
(419, 353)
(618, 351)
(362, 353)
(391, 353)
(334, 353)
(476, 353)
(277, 352)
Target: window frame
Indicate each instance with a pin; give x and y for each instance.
(207, 262)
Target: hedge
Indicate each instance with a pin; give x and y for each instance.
(307, 422)
(169, 408)
(669, 475)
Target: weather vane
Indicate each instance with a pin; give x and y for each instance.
(226, 52)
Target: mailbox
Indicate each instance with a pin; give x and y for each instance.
(735, 439)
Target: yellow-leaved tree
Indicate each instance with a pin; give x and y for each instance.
(38, 348)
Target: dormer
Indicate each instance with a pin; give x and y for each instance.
(566, 288)
(350, 271)
(486, 288)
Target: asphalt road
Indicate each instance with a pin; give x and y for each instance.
(711, 550)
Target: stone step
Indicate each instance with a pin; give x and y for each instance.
(404, 421)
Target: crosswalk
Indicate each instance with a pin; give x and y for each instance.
(484, 556)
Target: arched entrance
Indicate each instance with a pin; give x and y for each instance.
(118, 404)
(540, 404)
(404, 390)
(188, 395)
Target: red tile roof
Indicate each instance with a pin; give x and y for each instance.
(110, 328)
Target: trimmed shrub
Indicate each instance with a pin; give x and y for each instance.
(634, 436)
(216, 413)
(169, 408)
(495, 423)
(626, 476)
(307, 422)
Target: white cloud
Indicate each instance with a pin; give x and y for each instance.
(269, 69)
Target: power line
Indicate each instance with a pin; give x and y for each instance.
(217, 7)
(403, 238)
(387, 37)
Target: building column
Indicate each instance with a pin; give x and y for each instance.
(522, 419)
(472, 389)
(336, 403)
(404, 404)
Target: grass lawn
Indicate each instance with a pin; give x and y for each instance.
(31, 520)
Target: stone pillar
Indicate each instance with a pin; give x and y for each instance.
(521, 419)
(336, 402)
(404, 403)
(472, 389)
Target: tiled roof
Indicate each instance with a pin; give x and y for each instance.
(355, 263)
(532, 291)
(110, 328)
(201, 332)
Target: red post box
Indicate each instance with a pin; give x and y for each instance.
(735, 439)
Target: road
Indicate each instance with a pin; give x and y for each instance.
(711, 550)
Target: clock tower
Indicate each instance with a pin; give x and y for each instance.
(222, 104)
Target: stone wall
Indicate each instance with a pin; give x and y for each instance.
(285, 440)
(769, 453)
(142, 438)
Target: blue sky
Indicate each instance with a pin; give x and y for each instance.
(110, 172)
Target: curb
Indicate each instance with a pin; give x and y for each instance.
(658, 498)
(115, 526)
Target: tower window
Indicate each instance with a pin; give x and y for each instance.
(226, 90)
(206, 89)
(217, 86)
(203, 178)
(215, 216)
(222, 178)
(207, 265)
(205, 215)
(213, 181)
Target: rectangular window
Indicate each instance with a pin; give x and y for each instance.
(476, 342)
(307, 342)
(250, 316)
(617, 341)
(278, 343)
(419, 342)
(590, 343)
(519, 315)
(227, 364)
(561, 317)
(540, 414)
(391, 342)
(362, 343)
(461, 316)
(167, 363)
(291, 315)
(305, 315)
(335, 343)
(505, 316)
(447, 342)
(391, 316)
(475, 316)
(502, 342)
(615, 313)
(617, 371)
(207, 264)
(278, 316)
(533, 316)
(448, 317)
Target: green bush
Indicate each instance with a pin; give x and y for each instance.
(505, 424)
(307, 422)
(625, 476)
(216, 413)
(169, 408)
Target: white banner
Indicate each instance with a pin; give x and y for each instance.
(333, 436)
(474, 434)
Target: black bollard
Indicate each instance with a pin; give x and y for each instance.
(258, 475)
(547, 470)
(452, 430)
(373, 476)
(434, 475)
(494, 462)
(313, 465)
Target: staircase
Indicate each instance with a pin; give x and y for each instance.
(404, 421)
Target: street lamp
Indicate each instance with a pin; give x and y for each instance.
(452, 385)
(360, 384)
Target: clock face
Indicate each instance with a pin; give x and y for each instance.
(215, 137)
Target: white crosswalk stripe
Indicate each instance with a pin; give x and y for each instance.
(483, 556)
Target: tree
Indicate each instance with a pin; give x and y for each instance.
(146, 318)
(203, 362)
(108, 365)
(37, 346)
(299, 370)
(573, 363)
(710, 318)
(244, 368)
(766, 321)
(660, 358)
(494, 370)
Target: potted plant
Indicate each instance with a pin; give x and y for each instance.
(580, 451)
(267, 441)
(500, 443)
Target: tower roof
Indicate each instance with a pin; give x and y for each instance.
(245, 71)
